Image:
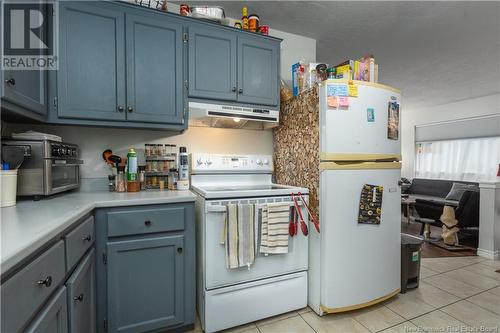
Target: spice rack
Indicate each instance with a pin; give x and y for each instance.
(160, 158)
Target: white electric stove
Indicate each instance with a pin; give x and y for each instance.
(274, 284)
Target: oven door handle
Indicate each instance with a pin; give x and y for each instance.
(65, 163)
(215, 209)
(222, 209)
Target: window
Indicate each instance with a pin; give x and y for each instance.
(469, 159)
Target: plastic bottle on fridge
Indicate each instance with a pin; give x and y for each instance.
(183, 181)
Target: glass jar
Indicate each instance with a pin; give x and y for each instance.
(154, 151)
(160, 150)
(154, 166)
(147, 150)
(111, 183)
(121, 185)
(142, 176)
(172, 179)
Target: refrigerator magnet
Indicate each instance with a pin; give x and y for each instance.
(333, 102)
(344, 101)
(370, 204)
(393, 121)
(370, 115)
(353, 90)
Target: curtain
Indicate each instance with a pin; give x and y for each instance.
(468, 160)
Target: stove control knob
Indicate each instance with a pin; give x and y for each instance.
(199, 161)
(208, 162)
(74, 152)
(259, 162)
(266, 161)
(55, 151)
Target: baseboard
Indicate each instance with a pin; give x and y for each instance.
(493, 255)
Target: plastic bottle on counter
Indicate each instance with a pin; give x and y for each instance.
(183, 182)
(244, 18)
(131, 165)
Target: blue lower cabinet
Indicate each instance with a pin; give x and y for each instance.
(145, 283)
(145, 274)
(53, 317)
(82, 295)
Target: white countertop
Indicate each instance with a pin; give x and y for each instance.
(26, 227)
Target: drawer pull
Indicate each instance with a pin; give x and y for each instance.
(179, 250)
(87, 238)
(78, 298)
(11, 81)
(147, 223)
(47, 281)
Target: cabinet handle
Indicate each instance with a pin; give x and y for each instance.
(130, 109)
(147, 223)
(240, 91)
(87, 238)
(11, 81)
(78, 298)
(234, 89)
(120, 108)
(47, 281)
(179, 250)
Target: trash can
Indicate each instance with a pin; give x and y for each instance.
(410, 262)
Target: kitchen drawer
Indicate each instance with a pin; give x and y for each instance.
(24, 292)
(78, 241)
(54, 316)
(145, 221)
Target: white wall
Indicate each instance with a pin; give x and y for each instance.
(293, 49)
(93, 141)
(473, 107)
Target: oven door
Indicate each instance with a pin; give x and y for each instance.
(61, 175)
(218, 275)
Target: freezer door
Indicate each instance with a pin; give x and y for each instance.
(362, 128)
(360, 263)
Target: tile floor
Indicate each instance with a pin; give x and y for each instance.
(456, 294)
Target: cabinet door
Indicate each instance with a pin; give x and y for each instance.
(91, 76)
(27, 88)
(53, 317)
(154, 69)
(81, 296)
(212, 63)
(258, 63)
(145, 283)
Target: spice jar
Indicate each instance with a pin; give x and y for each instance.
(237, 24)
(154, 152)
(172, 179)
(253, 22)
(111, 183)
(121, 185)
(142, 176)
(160, 150)
(154, 166)
(147, 150)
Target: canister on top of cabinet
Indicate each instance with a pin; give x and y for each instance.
(253, 22)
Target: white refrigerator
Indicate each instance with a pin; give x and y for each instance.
(355, 260)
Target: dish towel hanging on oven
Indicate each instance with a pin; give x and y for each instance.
(240, 236)
(274, 228)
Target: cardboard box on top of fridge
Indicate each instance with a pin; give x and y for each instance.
(304, 76)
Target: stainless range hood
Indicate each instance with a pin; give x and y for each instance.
(228, 116)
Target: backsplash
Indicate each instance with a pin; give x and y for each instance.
(93, 141)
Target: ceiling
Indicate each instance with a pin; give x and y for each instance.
(435, 52)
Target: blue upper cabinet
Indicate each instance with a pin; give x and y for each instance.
(232, 65)
(212, 63)
(25, 91)
(91, 76)
(154, 69)
(258, 64)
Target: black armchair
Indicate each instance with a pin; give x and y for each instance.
(466, 212)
